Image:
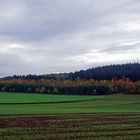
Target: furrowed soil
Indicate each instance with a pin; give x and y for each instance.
(97, 126)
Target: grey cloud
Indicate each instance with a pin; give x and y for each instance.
(35, 20)
(41, 36)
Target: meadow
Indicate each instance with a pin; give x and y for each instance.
(26, 116)
(24, 103)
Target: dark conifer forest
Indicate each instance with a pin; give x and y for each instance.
(131, 71)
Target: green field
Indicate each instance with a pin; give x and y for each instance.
(64, 117)
(20, 103)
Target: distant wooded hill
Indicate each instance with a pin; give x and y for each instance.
(131, 71)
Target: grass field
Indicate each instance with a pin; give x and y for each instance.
(19, 103)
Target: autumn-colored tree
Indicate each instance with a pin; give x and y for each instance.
(37, 90)
(42, 90)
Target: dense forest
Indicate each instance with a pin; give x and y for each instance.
(95, 81)
(131, 71)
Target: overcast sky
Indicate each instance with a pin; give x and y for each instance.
(44, 36)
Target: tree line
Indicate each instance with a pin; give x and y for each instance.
(68, 87)
(95, 81)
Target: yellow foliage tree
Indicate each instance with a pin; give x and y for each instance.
(42, 90)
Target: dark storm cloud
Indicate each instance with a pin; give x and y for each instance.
(43, 36)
